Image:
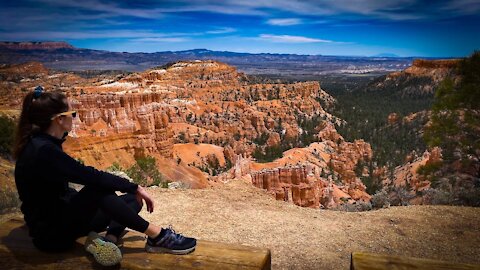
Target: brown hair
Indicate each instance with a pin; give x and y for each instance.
(37, 110)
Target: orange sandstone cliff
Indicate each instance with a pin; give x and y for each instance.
(202, 120)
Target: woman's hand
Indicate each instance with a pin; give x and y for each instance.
(142, 195)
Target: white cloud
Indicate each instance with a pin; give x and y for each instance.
(70, 35)
(389, 9)
(304, 7)
(223, 30)
(163, 39)
(396, 10)
(285, 22)
(464, 7)
(292, 39)
(108, 8)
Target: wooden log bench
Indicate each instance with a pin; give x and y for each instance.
(18, 252)
(364, 261)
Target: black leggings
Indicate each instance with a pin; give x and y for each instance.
(92, 209)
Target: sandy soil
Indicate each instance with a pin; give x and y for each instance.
(304, 238)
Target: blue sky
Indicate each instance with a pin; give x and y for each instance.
(430, 28)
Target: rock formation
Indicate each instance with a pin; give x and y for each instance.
(320, 175)
(301, 186)
(407, 174)
(210, 106)
(295, 184)
(420, 79)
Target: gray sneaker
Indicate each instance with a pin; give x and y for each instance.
(105, 253)
(170, 242)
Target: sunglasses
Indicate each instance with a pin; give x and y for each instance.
(72, 113)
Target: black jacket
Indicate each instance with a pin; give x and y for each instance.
(42, 173)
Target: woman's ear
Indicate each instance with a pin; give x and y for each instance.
(58, 120)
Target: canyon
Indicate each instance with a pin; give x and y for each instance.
(418, 80)
(207, 124)
(215, 109)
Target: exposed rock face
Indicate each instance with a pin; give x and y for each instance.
(407, 174)
(421, 66)
(321, 175)
(27, 70)
(208, 95)
(295, 184)
(302, 187)
(346, 157)
(221, 108)
(12, 75)
(328, 132)
(209, 104)
(409, 177)
(273, 139)
(420, 79)
(101, 152)
(126, 113)
(17, 80)
(437, 70)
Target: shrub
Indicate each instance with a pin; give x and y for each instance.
(456, 196)
(380, 199)
(430, 168)
(146, 168)
(392, 196)
(115, 167)
(358, 206)
(401, 196)
(7, 130)
(470, 197)
(437, 196)
(261, 139)
(137, 175)
(271, 153)
(213, 162)
(237, 136)
(178, 185)
(181, 137)
(81, 161)
(8, 200)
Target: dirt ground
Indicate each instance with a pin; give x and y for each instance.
(304, 238)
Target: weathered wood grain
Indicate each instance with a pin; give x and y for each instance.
(364, 261)
(18, 252)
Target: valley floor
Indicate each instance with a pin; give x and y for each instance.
(303, 238)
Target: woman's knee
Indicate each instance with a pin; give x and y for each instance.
(131, 200)
(88, 200)
(138, 206)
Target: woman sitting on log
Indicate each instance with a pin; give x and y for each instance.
(56, 214)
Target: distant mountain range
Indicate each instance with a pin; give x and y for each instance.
(63, 56)
(386, 55)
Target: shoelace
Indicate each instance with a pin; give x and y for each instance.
(176, 236)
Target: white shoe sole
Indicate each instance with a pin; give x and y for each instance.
(151, 249)
(105, 253)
